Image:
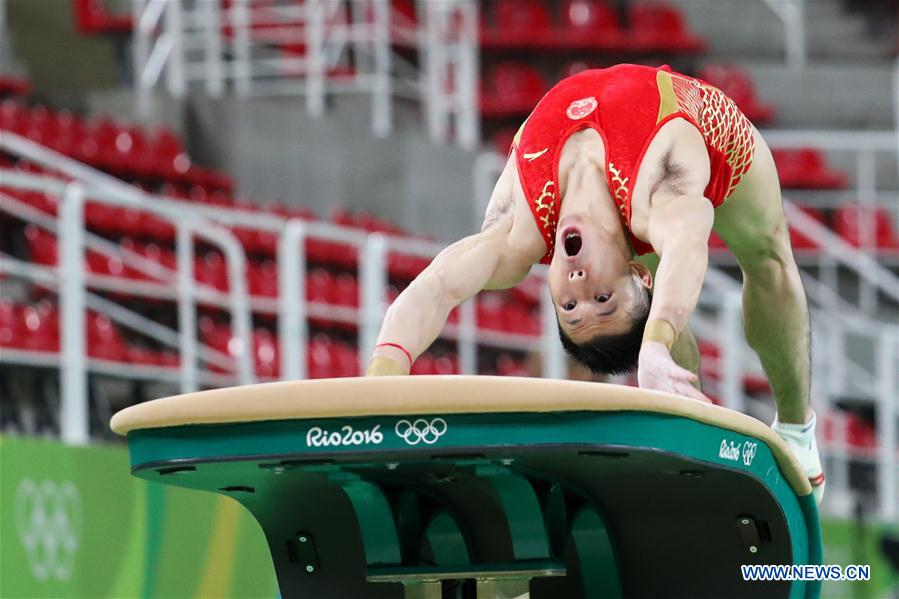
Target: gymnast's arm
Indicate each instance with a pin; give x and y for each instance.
(679, 231)
(490, 259)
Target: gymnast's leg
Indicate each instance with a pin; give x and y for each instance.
(775, 310)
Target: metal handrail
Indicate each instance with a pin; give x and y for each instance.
(188, 225)
(792, 14)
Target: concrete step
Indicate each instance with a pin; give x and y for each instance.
(828, 96)
(738, 29)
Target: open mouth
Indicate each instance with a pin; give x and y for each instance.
(572, 243)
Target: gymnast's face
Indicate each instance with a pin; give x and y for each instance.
(595, 288)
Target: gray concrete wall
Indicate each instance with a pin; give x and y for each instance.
(276, 151)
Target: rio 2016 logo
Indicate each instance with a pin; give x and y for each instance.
(737, 451)
(49, 523)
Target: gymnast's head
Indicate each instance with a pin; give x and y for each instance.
(602, 297)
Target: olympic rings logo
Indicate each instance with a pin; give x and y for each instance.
(421, 431)
(49, 522)
(749, 451)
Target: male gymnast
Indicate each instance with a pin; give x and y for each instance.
(618, 163)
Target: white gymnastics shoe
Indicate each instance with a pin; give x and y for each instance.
(800, 438)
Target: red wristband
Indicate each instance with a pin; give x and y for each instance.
(399, 347)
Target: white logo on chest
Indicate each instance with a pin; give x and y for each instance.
(535, 155)
(581, 108)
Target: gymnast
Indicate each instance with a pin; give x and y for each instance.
(616, 180)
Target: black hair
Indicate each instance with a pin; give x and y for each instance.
(611, 354)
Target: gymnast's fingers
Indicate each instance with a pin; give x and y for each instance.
(682, 374)
(693, 392)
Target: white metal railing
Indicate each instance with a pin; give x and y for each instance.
(84, 182)
(335, 46)
(869, 193)
(792, 15)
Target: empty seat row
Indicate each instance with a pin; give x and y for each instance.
(503, 312)
(587, 25)
(124, 150)
(36, 328)
(500, 312)
(850, 428)
(326, 357)
(807, 168)
(210, 267)
(135, 224)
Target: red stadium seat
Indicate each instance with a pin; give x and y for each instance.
(405, 267)
(320, 287)
(211, 270)
(404, 18)
(70, 133)
(510, 89)
(104, 340)
(157, 228)
(42, 246)
(266, 354)
(737, 84)
(849, 225)
(508, 365)
(100, 217)
(12, 85)
(860, 434)
(45, 203)
(346, 290)
(164, 257)
(518, 23)
(346, 360)
(92, 17)
(661, 28)
(168, 160)
(806, 168)
(591, 24)
(446, 365)
(14, 116)
(489, 312)
(40, 327)
(800, 241)
(10, 324)
(263, 279)
(423, 365)
(321, 357)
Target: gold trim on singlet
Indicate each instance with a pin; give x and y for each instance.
(721, 123)
(667, 98)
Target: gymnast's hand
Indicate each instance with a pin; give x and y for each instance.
(657, 370)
